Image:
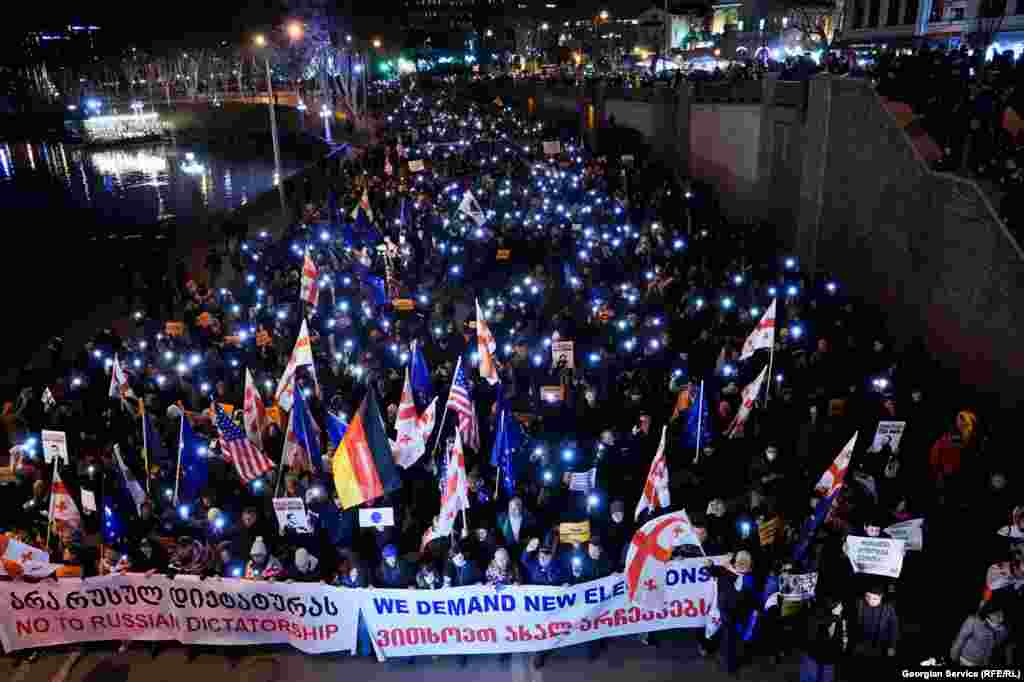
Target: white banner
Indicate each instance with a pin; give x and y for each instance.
(888, 433)
(311, 617)
(878, 556)
(911, 532)
(489, 620)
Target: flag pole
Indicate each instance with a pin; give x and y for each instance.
(181, 449)
(497, 480)
(49, 517)
(444, 414)
(771, 360)
(145, 443)
(700, 420)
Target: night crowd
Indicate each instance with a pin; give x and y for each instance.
(657, 293)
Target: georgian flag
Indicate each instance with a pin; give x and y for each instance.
(485, 347)
(749, 395)
(364, 206)
(455, 495)
(133, 487)
(656, 494)
(309, 290)
(18, 559)
(254, 412)
(413, 429)
(62, 506)
(119, 387)
(832, 480)
(470, 207)
(763, 335)
(649, 553)
(302, 356)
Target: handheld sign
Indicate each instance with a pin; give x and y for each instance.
(877, 556)
(55, 444)
(573, 533)
(503, 254)
(552, 394)
(404, 304)
(888, 433)
(415, 166)
(911, 532)
(563, 351)
(377, 517)
(291, 515)
(552, 147)
(174, 329)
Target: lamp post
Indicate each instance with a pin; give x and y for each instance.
(261, 42)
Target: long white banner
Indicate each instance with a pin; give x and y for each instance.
(313, 618)
(485, 620)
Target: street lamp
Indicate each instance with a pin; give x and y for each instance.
(261, 41)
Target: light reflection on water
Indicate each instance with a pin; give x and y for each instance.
(138, 185)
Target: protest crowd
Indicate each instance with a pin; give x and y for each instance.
(489, 357)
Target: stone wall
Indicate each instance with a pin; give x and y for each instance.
(926, 247)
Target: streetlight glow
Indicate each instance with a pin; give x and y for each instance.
(376, 43)
(295, 30)
(260, 40)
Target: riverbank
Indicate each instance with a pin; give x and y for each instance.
(109, 303)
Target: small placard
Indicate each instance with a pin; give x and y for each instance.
(552, 147)
(573, 533)
(377, 517)
(552, 394)
(504, 254)
(174, 329)
(55, 444)
(415, 166)
(562, 352)
(404, 304)
(291, 515)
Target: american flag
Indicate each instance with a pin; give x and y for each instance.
(237, 448)
(461, 400)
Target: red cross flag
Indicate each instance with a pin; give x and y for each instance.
(649, 553)
(302, 356)
(656, 495)
(63, 509)
(455, 496)
(119, 387)
(254, 411)
(18, 559)
(309, 290)
(412, 429)
(749, 395)
(485, 347)
(763, 335)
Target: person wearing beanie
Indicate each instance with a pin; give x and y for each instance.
(261, 565)
(393, 572)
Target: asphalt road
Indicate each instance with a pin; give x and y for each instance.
(626, 660)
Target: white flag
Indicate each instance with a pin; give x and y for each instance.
(133, 486)
(62, 506)
(749, 395)
(302, 356)
(763, 335)
(656, 494)
(649, 553)
(119, 387)
(470, 207)
(413, 429)
(485, 348)
(455, 496)
(309, 290)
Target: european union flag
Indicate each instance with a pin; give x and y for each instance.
(192, 454)
(306, 433)
(508, 443)
(419, 379)
(698, 418)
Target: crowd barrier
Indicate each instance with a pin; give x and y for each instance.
(316, 618)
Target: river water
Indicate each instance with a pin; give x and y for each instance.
(78, 223)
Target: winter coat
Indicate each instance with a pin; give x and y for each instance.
(978, 641)
(873, 629)
(535, 574)
(825, 634)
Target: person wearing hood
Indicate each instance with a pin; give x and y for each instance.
(982, 640)
(262, 565)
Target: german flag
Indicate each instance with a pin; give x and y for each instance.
(364, 468)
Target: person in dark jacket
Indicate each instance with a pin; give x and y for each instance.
(737, 601)
(392, 571)
(460, 571)
(540, 565)
(825, 640)
(873, 629)
(516, 526)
